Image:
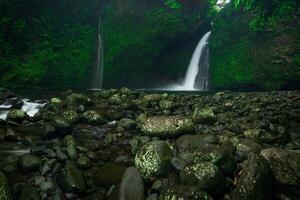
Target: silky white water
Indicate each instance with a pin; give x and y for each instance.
(30, 108)
(196, 77)
(98, 72)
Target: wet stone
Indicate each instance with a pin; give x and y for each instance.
(254, 181)
(132, 185)
(205, 175)
(154, 159)
(204, 116)
(84, 162)
(165, 126)
(29, 163)
(70, 179)
(108, 175)
(70, 145)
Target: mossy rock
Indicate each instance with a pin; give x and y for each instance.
(153, 160)
(165, 126)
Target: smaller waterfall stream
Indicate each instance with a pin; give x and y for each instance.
(198, 70)
(98, 72)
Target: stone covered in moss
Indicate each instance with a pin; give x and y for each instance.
(205, 175)
(183, 193)
(93, 118)
(204, 116)
(154, 159)
(285, 166)
(165, 126)
(221, 157)
(70, 145)
(16, 116)
(71, 116)
(254, 181)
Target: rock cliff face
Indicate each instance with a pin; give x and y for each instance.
(147, 43)
(240, 59)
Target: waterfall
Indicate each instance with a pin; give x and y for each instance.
(197, 75)
(98, 72)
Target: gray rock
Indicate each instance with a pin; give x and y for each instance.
(165, 126)
(204, 116)
(4, 190)
(93, 118)
(205, 175)
(132, 185)
(29, 163)
(154, 159)
(285, 166)
(254, 181)
(70, 179)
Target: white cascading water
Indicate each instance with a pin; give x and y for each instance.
(30, 108)
(98, 72)
(197, 74)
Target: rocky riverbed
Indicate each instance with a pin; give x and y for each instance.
(130, 145)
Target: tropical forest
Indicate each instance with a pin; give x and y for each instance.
(149, 99)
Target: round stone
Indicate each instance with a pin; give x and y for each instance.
(154, 159)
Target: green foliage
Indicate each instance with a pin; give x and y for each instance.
(266, 60)
(173, 4)
(268, 12)
(47, 46)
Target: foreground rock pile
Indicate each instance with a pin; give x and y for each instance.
(129, 145)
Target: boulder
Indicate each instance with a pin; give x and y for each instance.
(154, 159)
(109, 174)
(132, 185)
(205, 175)
(93, 118)
(16, 116)
(71, 116)
(70, 179)
(220, 156)
(183, 193)
(190, 143)
(285, 166)
(165, 126)
(70, 144)
(29, 163)
(127, 124)
(254, 180)
(204, 116)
